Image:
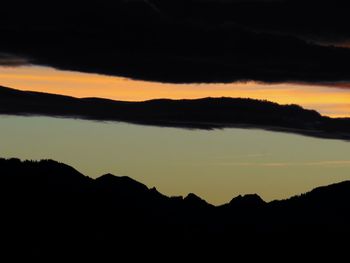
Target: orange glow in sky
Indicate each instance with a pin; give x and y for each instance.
(331, 101)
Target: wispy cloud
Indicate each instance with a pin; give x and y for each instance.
(327, 163)
(241, 156)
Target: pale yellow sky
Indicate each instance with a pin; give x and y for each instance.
(216, 165)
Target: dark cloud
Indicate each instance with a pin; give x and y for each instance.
(185, 41)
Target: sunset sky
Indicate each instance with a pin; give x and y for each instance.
(142, 50)
(189, 127)
(331, 101)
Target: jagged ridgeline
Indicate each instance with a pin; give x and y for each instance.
(55, 210)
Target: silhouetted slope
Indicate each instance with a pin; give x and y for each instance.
(247, 202)
(195, 201)
(204, 113)
(56, 211)
(123, 186)
(327, 206)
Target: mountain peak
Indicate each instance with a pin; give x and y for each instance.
(247, 201)
(195, 200)
(120, 184)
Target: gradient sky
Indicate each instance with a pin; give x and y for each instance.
(216, 165)
(331, 101)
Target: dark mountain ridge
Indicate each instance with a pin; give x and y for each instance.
(57, 212)
(206, 113)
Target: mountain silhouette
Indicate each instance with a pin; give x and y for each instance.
(248, 201)
(55, 211)
(206, 113)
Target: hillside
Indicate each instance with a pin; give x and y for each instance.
(206, 113)
(55, 210)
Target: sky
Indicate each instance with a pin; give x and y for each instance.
(289, 52)
(216, 165)
(328, 100)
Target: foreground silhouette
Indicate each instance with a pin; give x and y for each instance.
(51, 210)
(207, 113)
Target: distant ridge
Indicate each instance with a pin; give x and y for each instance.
(206, 113)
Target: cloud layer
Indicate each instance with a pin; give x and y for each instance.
(185, 41)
